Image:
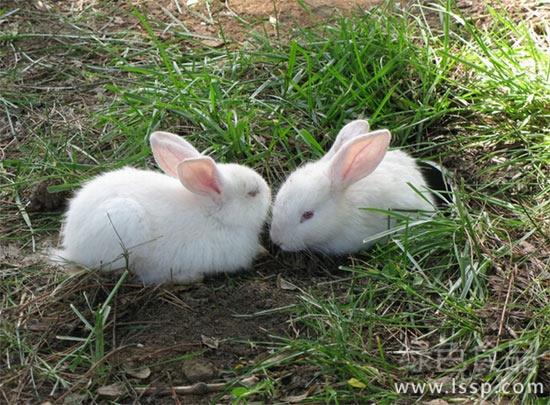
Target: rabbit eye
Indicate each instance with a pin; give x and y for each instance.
(253, 193)
(306, 215)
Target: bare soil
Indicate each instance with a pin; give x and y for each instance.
(180, 335)
(219, 22)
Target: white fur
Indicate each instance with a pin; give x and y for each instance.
(167, 232)
(340, 224)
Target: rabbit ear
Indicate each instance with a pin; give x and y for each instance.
(169, 150)
(201, 176)
(349, 131)
(358, 158)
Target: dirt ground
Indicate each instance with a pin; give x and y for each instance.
(180, 334)
(218, 22)
(232, 21)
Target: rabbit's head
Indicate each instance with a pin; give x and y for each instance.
(230, 194)
(311, 207)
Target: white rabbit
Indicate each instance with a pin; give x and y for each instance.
(321, 205)
(198, 218)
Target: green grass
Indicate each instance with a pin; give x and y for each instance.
(464, 296)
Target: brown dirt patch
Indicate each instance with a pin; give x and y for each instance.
(205, 332)
(233, 20)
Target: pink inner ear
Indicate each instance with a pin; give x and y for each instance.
(168, 158)
(201, 176)
(169, 150)
(211, 183)
(349, 131)
(359, 157)
(353, 160)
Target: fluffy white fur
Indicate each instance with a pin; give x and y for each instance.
(356, 173)
(168, 232)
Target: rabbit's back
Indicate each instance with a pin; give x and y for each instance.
(108, 236)
(392, 185)
(110, 218)
(113, 214)
(126, 182)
